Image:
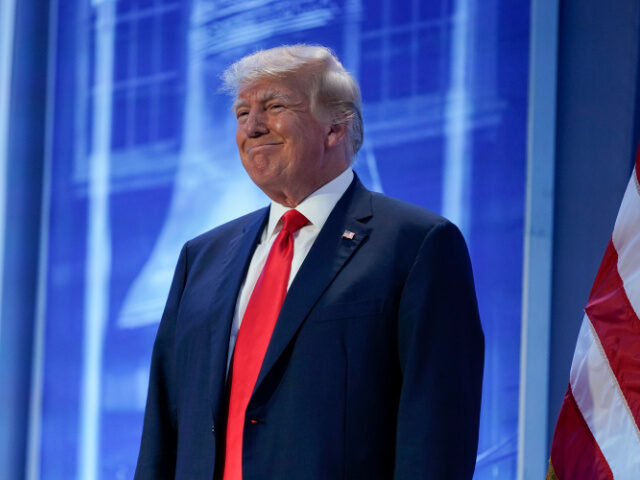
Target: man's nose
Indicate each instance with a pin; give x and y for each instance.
(255, 125)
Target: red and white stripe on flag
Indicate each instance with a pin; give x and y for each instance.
(597, 435)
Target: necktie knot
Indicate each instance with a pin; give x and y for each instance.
(293, 221)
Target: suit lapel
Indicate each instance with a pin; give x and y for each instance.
(226, 288)
(327, 256)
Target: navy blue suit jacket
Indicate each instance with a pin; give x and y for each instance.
(374, 369)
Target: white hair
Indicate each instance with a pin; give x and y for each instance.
(333, 93)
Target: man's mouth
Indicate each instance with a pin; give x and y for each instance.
(263, 146)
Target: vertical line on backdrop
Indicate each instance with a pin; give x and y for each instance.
(352, 45)
(385, 55)
(7, 22)
(457, 164)
(351, 42)
(538, 242)
(98, 243)
(351, 55)
(34, 438)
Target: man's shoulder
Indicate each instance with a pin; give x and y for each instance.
(413, 228)
(399, 213)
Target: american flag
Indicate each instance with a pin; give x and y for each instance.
(597, 435)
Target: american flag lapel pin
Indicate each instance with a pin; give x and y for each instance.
(348, 234)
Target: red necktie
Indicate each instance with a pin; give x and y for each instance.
(254, 335)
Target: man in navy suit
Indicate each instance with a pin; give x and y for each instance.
(373, 368)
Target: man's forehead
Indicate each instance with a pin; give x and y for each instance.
(263, 91)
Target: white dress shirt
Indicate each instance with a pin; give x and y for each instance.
(316, 208)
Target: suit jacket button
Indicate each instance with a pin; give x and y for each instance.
(213, 429)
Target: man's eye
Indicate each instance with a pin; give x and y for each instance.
(241, 114)
(276, 106)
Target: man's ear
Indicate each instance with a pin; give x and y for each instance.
(336, 133)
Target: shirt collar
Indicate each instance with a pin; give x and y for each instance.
(317, 206)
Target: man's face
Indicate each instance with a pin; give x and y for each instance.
(281, 144)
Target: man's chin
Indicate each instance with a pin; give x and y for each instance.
(259, 162)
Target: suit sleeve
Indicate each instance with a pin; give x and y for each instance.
(441, 352)
(157, 457)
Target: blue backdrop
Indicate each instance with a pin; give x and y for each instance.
(143, 158)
